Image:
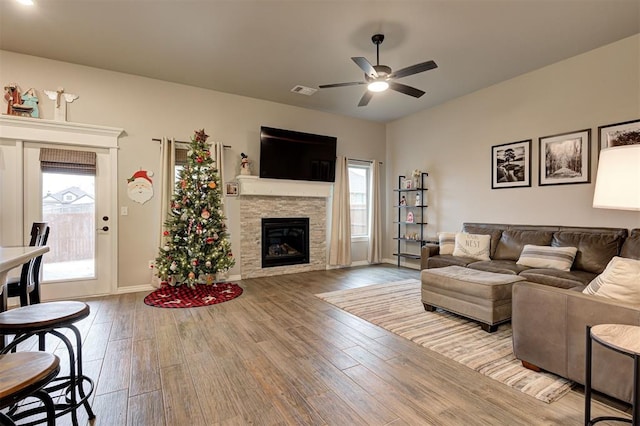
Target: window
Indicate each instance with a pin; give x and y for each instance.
(181, 161)
(359, 187)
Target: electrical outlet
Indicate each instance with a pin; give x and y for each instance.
(152, 264)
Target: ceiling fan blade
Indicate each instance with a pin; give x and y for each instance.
(414, 69)
(364, 100)
(365, 66)
(407, 90)
(353, 83)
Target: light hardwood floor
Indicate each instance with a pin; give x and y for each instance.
(279, 355)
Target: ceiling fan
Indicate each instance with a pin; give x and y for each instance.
(379, 78)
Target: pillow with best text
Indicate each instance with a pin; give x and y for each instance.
(475, 246)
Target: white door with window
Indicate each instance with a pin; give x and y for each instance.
(64, 174)
(75, 204)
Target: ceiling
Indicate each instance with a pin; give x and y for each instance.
(263, 48)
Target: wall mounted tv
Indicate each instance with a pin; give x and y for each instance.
(285, 154)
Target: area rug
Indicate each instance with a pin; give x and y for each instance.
(397, 307)
(185, 297)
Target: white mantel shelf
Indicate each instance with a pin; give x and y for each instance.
(253, 185)
(38, 129)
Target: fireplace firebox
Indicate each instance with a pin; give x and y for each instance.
(285, 241)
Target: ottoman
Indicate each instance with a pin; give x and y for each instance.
(478, 295)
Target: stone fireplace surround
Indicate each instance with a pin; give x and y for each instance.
(271, 198)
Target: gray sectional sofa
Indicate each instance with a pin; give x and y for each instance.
(549, 311)
(596, 247)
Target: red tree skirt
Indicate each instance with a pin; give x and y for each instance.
(185, 297)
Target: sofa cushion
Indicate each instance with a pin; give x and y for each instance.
(448, 260)
(472, 245)
(619, 281)
(447, 241)
(555, 278)
(631, 246)
(512, 241)
(595, 250)
(560, 258)
(498, 266)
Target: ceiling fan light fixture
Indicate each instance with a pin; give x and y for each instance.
(378, 86)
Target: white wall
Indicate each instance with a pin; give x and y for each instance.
(148, 108)
(453, 142)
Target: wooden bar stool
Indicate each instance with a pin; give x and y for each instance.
(46, 319)
(22, 375)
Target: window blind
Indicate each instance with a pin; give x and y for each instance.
(181, 157)
(67, 161)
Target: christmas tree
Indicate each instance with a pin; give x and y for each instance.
(196, 244)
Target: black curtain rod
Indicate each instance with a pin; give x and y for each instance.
(160, 140)
(363, 161)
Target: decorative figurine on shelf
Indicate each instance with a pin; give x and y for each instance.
(245, 165)
(62, 99)
(13, 98)
(403, 201)
(410, 217)
(30, 99)
(11, 95)
(416, 178)
(418, 200)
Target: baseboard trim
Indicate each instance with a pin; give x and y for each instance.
(135, 289)
(150, 287)
(403, 264)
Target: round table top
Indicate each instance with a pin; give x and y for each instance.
(42, 315)
(622, 337)
(22, 369)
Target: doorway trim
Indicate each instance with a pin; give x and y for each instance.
(24, 129)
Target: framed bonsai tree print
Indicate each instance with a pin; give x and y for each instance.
(625, 133)
(511, 165)
(565, 158)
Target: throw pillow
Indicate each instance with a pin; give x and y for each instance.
(474, 246)
(560, 258)
(447, 242)
(620, 281)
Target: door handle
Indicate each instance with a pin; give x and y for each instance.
(104, 228)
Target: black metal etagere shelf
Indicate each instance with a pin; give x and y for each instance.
(410, 234)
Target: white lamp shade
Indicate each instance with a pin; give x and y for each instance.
(618, 178)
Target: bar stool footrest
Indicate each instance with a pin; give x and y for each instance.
(609, 418)
(65, 383)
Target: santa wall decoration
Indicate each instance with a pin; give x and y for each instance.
(140, 186)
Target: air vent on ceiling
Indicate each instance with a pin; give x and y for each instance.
(303, 90)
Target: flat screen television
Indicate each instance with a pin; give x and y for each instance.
(285, 154)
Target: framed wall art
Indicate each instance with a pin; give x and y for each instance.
(565, 158)
(511, 165)
(232, 189)
(625, 133)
